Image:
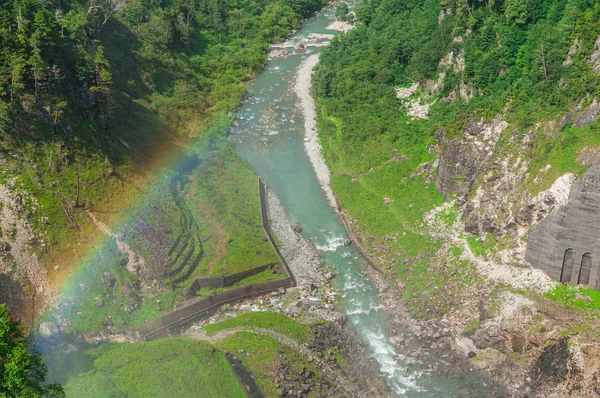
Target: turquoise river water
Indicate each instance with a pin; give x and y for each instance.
(272, 112)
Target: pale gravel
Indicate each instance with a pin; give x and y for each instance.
(340, 26)
(312, 145)
(28, 266)
(498, 271)
(405, 92)
(302, 257)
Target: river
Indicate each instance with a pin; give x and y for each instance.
(269, 134)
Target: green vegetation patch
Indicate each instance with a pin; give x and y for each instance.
(263, 355)
(482, 246)
(578, 297)
(267, 320)
(229, 186)
(163, 368)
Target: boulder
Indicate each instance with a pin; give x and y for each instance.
(554, 362)
(299, 47)
(278, 53)
(109, 280)
(49, 331)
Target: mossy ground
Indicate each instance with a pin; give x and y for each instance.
(162, 368)
(156, 369)
(267, 320)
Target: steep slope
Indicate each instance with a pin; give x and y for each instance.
(451, 128)
(99, 106)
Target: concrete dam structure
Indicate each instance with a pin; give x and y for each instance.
(566, 244)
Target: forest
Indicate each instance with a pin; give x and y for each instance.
(528, 63)
(96, 99)
(93, 93)
(514, 53)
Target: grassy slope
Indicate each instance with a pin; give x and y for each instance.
(165, 368)
(162, 368)
(221, 198)
(267, 320)
(361, 123)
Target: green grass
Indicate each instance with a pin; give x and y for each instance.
(578, 297)
(157, 369)
(561, 153)
(262, 356)
(267, 320)
(228, 184)
(436, 288)
(481, 247)
(473, 325)
(449, 216)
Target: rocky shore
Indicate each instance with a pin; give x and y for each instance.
(302, 257)
(312, 145)
(423, 340)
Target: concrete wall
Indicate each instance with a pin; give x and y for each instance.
(176, 319)
(264, 213)
(576, 227)
(180, 317)
(225, 281)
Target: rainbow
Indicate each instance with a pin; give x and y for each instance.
(103, 263)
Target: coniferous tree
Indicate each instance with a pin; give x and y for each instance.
(102, 90)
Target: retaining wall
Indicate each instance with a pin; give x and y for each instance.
(342, 216)
(225, 281)
(264, 212)
(171, 322)
(564, 243)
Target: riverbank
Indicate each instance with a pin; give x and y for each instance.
(312, 302)
(428, 341)
(302, 256)
(312, 144)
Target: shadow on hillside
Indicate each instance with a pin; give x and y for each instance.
(15, 298)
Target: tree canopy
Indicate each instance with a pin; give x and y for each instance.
(22, 373)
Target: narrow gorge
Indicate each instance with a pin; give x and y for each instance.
(299, 198)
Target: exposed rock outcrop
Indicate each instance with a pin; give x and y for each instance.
(462, 159)
(24, 283)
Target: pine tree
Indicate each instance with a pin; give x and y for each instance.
(102, 90)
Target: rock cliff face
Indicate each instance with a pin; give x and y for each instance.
(565, 243)
(462, 159)
(457, 167)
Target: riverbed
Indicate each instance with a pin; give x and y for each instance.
(276, 133)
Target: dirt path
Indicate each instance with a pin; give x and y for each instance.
(135, 263)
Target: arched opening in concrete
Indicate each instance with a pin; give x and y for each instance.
(585, 270)
(567, 266)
